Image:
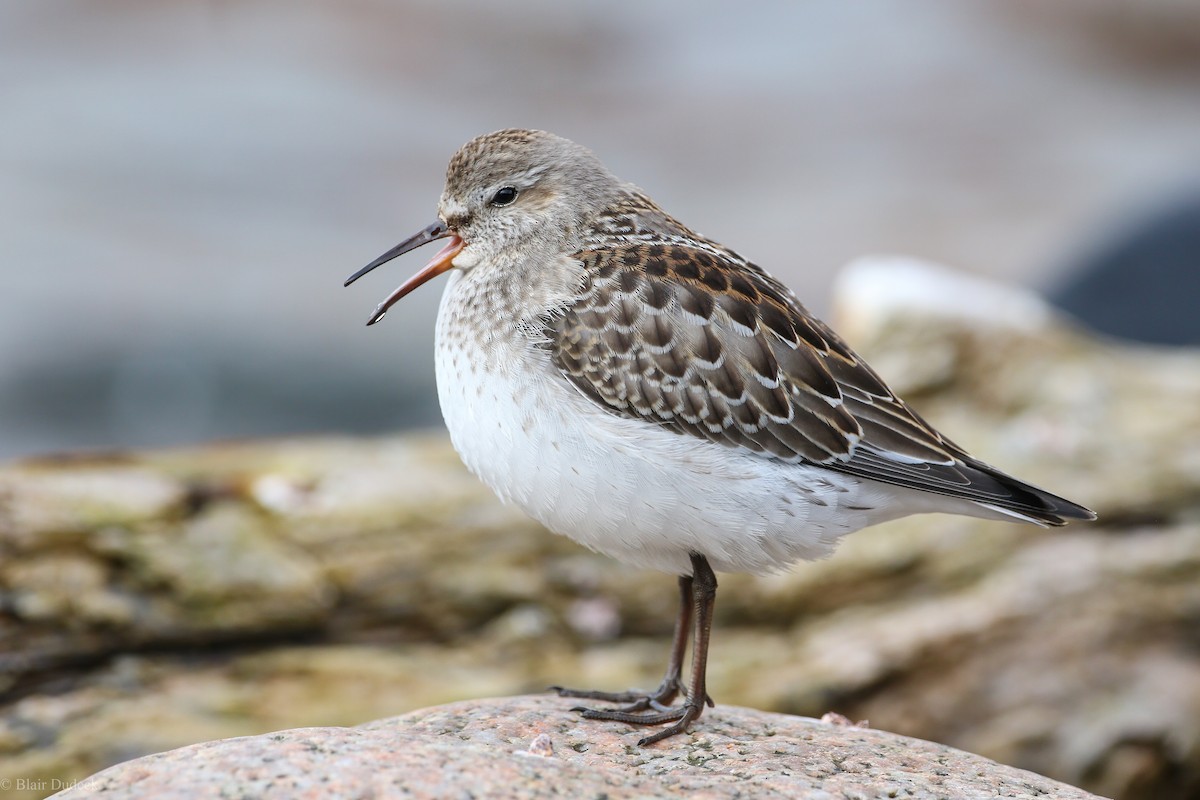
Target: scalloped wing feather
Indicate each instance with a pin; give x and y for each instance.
(682, 333)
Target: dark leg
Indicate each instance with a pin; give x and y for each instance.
(703, 597)
(671, 684)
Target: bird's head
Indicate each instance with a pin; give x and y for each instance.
(508, 195)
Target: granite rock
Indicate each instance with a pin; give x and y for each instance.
(535, 747)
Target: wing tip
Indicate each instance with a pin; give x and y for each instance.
(1033, 503)
(974, 482)
(1064, 511)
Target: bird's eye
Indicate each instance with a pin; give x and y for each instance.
(504, 196)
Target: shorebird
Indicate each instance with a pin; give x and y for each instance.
(657, 397)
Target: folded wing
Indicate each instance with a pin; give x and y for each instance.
(688, 336)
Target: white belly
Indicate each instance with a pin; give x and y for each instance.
(627, 488)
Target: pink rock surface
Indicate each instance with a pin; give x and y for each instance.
(534, 747)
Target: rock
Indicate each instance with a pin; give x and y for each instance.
(244, 541)
(63, 500)
(535, 747)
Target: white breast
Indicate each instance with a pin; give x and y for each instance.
(623, 487)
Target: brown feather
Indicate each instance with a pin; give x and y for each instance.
(678, 331)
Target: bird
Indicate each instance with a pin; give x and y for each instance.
(659, 398)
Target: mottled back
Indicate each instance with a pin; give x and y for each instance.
(680, 332)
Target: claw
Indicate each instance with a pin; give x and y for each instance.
(679, 727)
(631, 696)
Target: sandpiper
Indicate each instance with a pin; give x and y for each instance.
(658, 398)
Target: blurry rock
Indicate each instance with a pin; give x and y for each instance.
(44, 502)
(245, 541)
(534, 747)
(100, 558)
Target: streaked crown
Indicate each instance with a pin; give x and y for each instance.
(523, 189)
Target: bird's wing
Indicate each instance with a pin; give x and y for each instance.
(686, 335)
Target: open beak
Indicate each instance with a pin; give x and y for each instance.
(439, 264)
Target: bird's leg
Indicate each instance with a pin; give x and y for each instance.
(703, 596)
(671, 684)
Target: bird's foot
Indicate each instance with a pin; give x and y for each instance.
(635, 699)
(681, 715)
(643, 708)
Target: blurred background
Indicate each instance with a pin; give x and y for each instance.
(185, 185)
